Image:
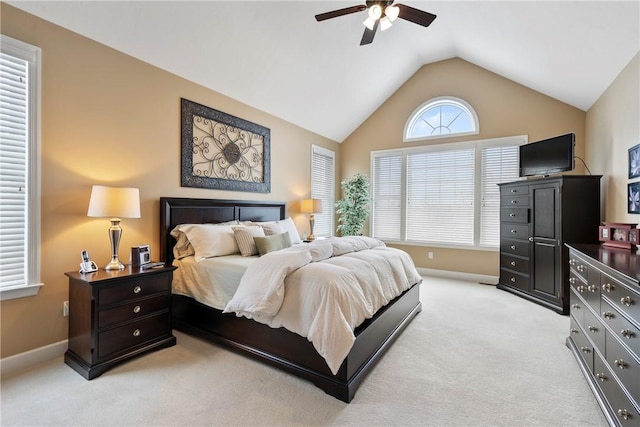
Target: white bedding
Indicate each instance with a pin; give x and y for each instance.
(323, 290)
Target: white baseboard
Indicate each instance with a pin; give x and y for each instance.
(31, 358)
(480, 278)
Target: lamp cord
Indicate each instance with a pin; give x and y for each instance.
(585, 165)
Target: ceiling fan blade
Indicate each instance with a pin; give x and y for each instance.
(368, 35)
(416, 16)
(340, 12)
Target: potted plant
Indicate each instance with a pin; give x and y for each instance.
(353, 209)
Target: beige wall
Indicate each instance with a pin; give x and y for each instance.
(613, 126)
(110, 119)
(504, 108)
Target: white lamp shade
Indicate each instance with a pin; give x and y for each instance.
(375, 12)
(385, 23)
(392, 12)
(311, 206)
(114, 202)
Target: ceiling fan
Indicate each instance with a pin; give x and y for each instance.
(381, 14)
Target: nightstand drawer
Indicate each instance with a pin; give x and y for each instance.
(134, 288)
(133, 334)
(132, 310)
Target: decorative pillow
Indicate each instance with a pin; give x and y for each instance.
(272, 228)
(288, 225)
(244, 238)
(210, 240)
(272, 243)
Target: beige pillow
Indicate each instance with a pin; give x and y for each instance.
(210, 240)
(272, 228)
(272, 243)
(244, 238)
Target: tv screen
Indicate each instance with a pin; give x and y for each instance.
(548, 156)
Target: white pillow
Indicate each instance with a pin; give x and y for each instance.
(288, 225)
(272, 229)
(210, 240)
(244, 238)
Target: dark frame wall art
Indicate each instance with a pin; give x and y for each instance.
(633, 194)
(634, 161)
(220, 151)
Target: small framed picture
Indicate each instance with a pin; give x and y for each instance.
(633, 236)
(604, 233)
(634, 161)
(633, 198)
(620, 235)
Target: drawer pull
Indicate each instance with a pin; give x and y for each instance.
(513, 190)
(602, 377)
(514, 231)
(512, 215)
(513, 247)
(627, 333)
(513, 279)
(624, 414)
(593, 329)
(574, 331)
(572, 280)
(513, 202)
(575, 306)
(607, 315)
(136, 333)
(626, 301)
(580, 288)
(572, 262)
(620, 363)
(136, 309)
(592, 288)
(608, 287)
(513, 263)
(580, 268)
(585, 350)
(137, 290)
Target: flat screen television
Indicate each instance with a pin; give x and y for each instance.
(548, 156)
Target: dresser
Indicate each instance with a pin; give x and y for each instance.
(604, 333)
(117, 315)
(537, 217)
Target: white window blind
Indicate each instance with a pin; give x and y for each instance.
(323, 170)
(19, 186)
(499, 164)
(440, 194)
(387, 197)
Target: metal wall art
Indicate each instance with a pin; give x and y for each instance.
(224, 152)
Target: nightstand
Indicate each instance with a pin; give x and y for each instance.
(117, 315)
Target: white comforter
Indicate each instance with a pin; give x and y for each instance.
(323, 290)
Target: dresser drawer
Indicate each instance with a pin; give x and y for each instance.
(514, 200)
(585, 349)
(579, 267)
(133, 334)
(621, 406)
(517, 190)
(514, 215)
(132, 310)
(624, 366)
(514, 263)
(134, 288)
(621, 297)
(518, 280)
(622, 328)
(576, 306)
(514, 231)
(515, 247)
(594, 329)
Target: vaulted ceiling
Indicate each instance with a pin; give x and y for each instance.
(274, 56)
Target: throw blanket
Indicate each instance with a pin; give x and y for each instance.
(323, 290)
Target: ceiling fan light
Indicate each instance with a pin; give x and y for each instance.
(385, 23)
(375, 12)
(369, 23)
(392, 12)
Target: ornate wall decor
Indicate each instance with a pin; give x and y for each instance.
(224, 152)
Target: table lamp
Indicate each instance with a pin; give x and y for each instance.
(311, 207)
(114, 203)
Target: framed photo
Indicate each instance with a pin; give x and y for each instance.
(220, 151)
(633, 198)
(634, 161)
(619, 235)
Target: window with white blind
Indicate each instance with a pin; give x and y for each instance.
(19, 169)
(444, 195)
(323, 172)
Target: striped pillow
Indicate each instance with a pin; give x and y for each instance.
(244, 238)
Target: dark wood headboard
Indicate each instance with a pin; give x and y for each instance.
(177, 210)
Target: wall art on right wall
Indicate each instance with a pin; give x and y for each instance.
(634, 161)
(633, 202)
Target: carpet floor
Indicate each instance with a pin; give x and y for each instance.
(475, 356)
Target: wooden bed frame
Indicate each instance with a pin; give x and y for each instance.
(277, 347)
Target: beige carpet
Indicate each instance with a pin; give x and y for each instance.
(474, 356)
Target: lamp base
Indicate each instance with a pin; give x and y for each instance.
(115, 264)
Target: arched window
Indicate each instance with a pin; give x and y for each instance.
(441, 117)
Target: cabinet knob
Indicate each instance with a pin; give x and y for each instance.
(627, 333)
(136, 309)
(572, 261)
(624, 414)
(593, 329)
(531, 239)
(580, 288)
(620, 363)
(607, 315)
(574, 331)
(626, 301)
(513, 190)
(608, 287)
(513, 231)
(137, 290)
(602, 377)
(513, 263)
(512, 215)
(514, 202)
(513, 247)
(580, 268)
(136, 333)
(572, 280)
(575, 306)
(592, 288)
(585, 350)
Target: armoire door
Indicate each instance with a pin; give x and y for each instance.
(546, 281)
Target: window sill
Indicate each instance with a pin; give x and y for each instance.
(15, 292)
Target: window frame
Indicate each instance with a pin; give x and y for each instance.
(327, 211)
(436, 102)
(33, 55)
(405, 152)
